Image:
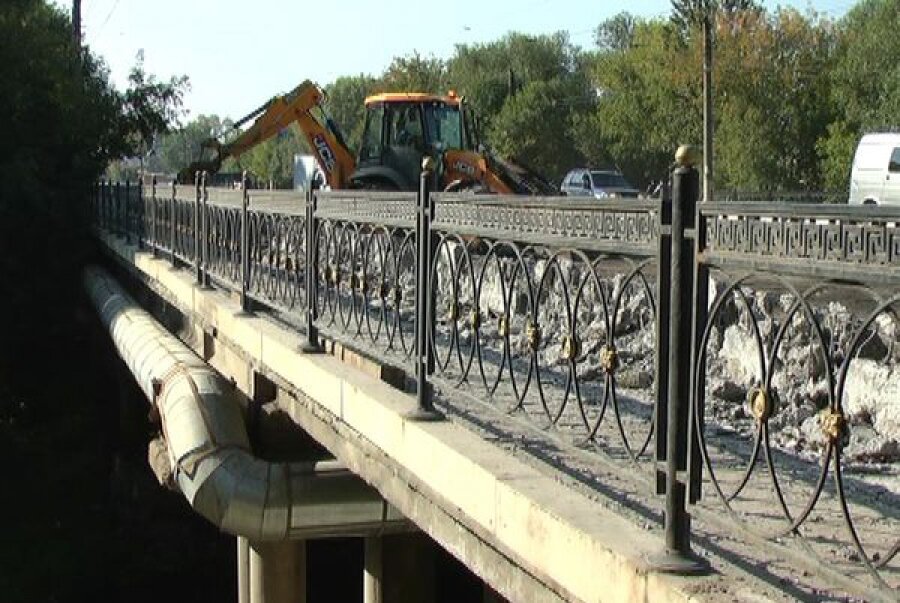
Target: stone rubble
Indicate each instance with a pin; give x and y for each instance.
(749, 320)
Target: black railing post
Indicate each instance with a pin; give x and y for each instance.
(117, 214)
(198, 199)
(204, 231)
(425, 410)
(110, 208)
(172, 224)
(140, 218)
(101, 201)
(311, 345)
(245, 245)
(677, 556)
(104, 205)
(154, 219)
(663, 326)
(126, 215)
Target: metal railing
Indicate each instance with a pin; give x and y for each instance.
(604, 321)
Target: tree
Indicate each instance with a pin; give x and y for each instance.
(272, 162)
(688, 14)
(772, 74)
(344, 100)
(649, 103)
(58, 112)
(550, 76)
(533, 128)
(488, 74)
(178, 148)
(149, 107)
(865, 84)
(616, 33)
(414, 73)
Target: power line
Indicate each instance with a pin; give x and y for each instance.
(108, 15)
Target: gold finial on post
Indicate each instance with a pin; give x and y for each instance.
(688, 156)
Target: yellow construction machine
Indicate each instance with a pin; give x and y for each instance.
(401, 129)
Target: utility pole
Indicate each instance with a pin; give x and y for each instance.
(76, 22)
(707, 105)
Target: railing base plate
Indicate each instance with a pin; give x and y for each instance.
(311, 348)
(421, 415)
(675, 562)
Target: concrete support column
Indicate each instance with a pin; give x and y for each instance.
(277, 572)
(409, 572)
(373, 567)
(243, 569)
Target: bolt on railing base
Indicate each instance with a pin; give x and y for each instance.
(677, 562)
(422, 415)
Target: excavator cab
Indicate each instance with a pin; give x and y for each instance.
(400, 130)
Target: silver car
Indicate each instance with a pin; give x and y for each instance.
(599, 184)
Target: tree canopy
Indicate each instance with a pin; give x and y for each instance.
(793, 92)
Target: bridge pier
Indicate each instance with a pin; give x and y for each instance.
(373, 569)
(271, 572)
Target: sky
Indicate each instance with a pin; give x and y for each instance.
(238, 54)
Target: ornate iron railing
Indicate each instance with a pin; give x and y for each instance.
(664, 334)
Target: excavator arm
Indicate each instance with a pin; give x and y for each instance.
(302, 105)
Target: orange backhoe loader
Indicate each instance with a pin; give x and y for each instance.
(401, 129)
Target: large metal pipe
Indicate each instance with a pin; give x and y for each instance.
(208, 445)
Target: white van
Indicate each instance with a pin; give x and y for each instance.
(875, 176)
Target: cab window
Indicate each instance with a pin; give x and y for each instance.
(894, 165)
(371, 142)
(444, 127)
(406, 127)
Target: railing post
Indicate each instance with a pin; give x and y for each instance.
(425, 410)
(126, 215)
(110, 208)
(198, 199)
(172, 223)
(245, 245)
(311, 345)
(677, 556)
(101, 201)
(154, 217)
(204, 231)
(140, 216)
(117, 222)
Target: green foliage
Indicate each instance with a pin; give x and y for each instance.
(62, 121)
(770, 77)
(865, 83)
(58, 114)
(271, 164)
(616, 33)
(532, 129)
(688, 14)
(344, 100)
(488, 74)
(528, 92)
(149, 106)
(649, 103)
(414, 73)
(180, 147)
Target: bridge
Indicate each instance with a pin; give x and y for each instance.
(627, 400)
